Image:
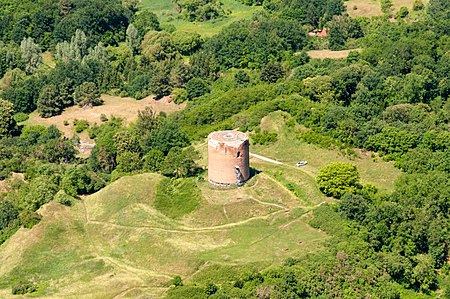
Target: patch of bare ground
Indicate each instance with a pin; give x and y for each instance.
(126, 108)
(4, 184)
(323, 54)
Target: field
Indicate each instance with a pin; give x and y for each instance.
(126, 108)
(165, 10)
(364, 8)
(371, 8)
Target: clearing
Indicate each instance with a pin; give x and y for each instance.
(165, 10)
(126, 108)
(372, 8)
(323, 54)
(289, 149)
(364, 8)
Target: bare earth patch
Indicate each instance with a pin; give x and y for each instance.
(323, 54)
(126, 108)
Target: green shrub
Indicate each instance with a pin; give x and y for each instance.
(29, 219)
(103, 117)
(80, 125)
(63, 198)
(418, 5)
(338, 178)
(24, 287)
(176, 281)
(20, 117)
(264, 137)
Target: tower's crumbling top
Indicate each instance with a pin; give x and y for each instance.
(229, 137)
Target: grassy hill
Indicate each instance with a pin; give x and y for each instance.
(131, 238)
(116, 244)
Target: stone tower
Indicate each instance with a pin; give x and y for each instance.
(228, 158)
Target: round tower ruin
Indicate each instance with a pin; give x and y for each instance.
(228, 158)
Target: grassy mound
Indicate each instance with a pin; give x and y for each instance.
(116, 243)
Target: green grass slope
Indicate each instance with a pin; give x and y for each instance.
(118, 243)
(289, 149)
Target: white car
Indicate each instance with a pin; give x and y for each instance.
(301, 163)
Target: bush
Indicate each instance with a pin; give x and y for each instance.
(179, 95)
(20, 117)
(403, 12)
(24, 287)
(103, 118)
(418, 5)
(29, 219)
(176, 281)
(338, 178)
(196, 87)
(80, 125)
(210, 288)
(63, 198)
(264, 137)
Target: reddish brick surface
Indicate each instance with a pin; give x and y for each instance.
(228, 150)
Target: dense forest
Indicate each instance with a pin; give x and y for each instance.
(390, 96)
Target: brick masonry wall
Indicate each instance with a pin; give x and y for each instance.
(225, 155)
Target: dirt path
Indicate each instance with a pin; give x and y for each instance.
(266, 159)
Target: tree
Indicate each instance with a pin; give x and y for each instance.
(128, 162)
(196, 87)
(133, 39)
(424, 274)
(42, 190)
(271, 72)
(153, 160)
(338, 178)
(200, 10)
(49, 103)
(187, 42)
(166, 136)
(353, 207)
(8, 214)
(160, 82)
(87, 95)
(76, 180)
(31, 55)
(147, 121)
(157, 45)
(180, 162)
(7, 122)
(145, 21)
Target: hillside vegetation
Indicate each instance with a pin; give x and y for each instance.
(347, 106)
(117, 241)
